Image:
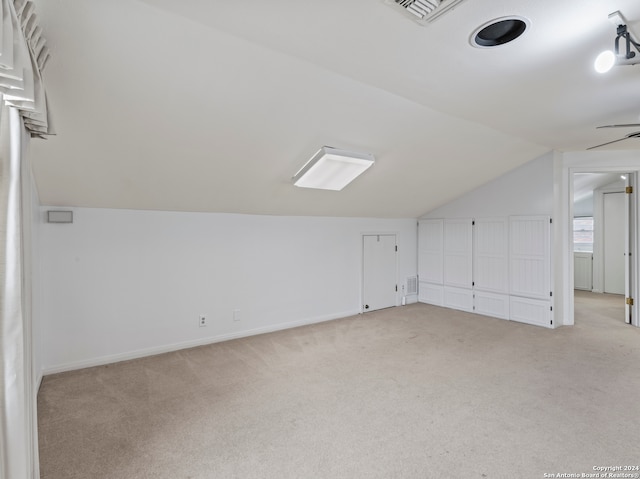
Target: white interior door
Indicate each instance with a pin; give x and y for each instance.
(614, 226)
(380, 285)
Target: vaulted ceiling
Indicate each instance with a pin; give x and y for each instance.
(203, 105)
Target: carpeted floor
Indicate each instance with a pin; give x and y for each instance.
(409, 392)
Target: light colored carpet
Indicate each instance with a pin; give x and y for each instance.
(409, 392)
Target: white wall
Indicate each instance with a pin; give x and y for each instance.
(120, 283)
(527, 190)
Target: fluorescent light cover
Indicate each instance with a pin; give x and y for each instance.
(332, 169)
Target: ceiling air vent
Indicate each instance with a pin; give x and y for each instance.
(424, 11)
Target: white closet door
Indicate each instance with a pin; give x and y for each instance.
(380, 278)
(431, 294)
(458, 260)
(529, 257)
(531, 311)
(491, 255)
(430, 259)
(491, 304)
(582, 271)
(458, 298)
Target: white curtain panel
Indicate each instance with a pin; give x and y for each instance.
(18, 439)
(24, 113)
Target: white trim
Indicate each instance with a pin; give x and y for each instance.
(167, 348)
(565, 165)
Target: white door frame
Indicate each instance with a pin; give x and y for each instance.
(564, 165)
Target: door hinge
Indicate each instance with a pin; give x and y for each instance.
(396, 288)
(396, 248)
(550, 308)
(551, 322)
(473, 283)
(628, 190)
(550, 293)
(473, 223)
(551, 220)
(629, 301)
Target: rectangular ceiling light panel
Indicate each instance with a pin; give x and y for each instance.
(424, 11)
(332, 169)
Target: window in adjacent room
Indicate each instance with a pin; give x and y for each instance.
(583, 234)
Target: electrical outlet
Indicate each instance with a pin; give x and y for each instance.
(202, 320)
(236, 315)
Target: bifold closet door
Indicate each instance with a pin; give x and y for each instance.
(529, 258)
(530, 270)
(491, 255)
(458, 259)
(458, 262)
(430, 261)
(430, 240)
(491, 267)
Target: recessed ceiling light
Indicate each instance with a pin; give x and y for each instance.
(499, 31)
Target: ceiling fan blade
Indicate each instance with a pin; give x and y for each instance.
(609, 142)
(622, 125)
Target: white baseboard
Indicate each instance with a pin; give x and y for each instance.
(38, 382)
(114, 358)
(411, 298)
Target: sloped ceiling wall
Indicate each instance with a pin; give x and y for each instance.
(216, 106)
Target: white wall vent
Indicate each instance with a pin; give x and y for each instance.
(424, 11)
(412, 285)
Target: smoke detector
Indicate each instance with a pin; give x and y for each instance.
(423, 11)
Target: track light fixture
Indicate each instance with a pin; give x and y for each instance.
(607, 59)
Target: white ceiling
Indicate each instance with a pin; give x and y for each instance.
(585, 183)
(204, 105)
